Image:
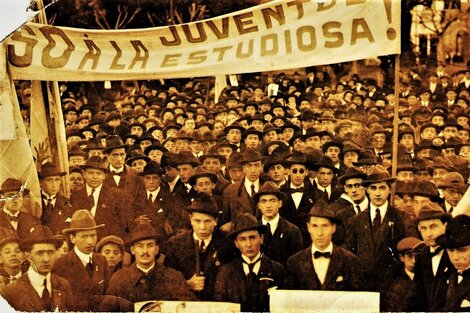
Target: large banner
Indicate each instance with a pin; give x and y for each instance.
(272, 36)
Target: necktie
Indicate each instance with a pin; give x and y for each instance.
(318, 254)
(46, 297)
(202, 247)
(436, 252)
(377, 219)
(251, 266)
(269, 233)
(358, 209)
(294, 190)
(89, 268)
(12, 218)
(326, 194)
(150, 198)
(253, 190)
(92, 199)
(47, 213)
(450, 210)
(116, 173)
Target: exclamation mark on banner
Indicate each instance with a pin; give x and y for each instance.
(391, 32)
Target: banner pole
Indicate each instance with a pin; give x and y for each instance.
(395, 124)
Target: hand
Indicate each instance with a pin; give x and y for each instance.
(196, 283)
(42, 151)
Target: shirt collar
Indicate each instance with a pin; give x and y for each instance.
(273, 223)
(97, 189)
(10, 213)
(206, 241)
(154, 193)
(248, 261)
(46, 196)
(328, 249)
(248, 183)
(117, 170)
(145, 270)
(85, 258)
(38, 279)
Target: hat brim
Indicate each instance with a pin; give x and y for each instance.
(108, 149)
(262, 229)
(212, 177)
(84, 167)
(27, 243)
(342, 179)
(51, 174)
(389, 181)
(442, 215)
(279, 194)
(75, 229)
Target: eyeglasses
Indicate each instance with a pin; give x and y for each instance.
(351, 186)
(300, 171)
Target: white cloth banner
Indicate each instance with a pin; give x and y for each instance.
(272, 36)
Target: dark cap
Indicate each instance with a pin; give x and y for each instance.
(244, 222)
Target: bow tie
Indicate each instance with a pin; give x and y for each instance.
(437, 251)
(318, 254)
(294, 190)
(12, 218)
(117, 173)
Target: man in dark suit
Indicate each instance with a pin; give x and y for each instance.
(56, 209)
(39, 289)
(104, 202)
(323, 265)
(11, 215)
(238, 197)
(146, 279)
(87, 272)
(456, 241)
(324, 187)
(186, 164)
(199, 253)
(119, 174)
(433, 266)
(247, 278)
(373, 232)
(299, 200)
(282, 238)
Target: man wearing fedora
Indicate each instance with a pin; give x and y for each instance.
(213, 162)
(199, 253)
(373, 232)
(456, 241)
(453, 187)
(186, 164)
(104, 202)
(12, 216)
(120, 175)
(86, 271)
(39, 289)
(433, 265)
(323, 265)
(282, 238)
(247, 278)
(11, 256)
(325, 180)
(56, 208)
(146, 279)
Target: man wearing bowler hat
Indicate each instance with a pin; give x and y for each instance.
(56, 208)
(199, 253)
(104, 202)
(86, 271)
(146, 279)
(39, 289)
(456, 241)
(373, 232)
(247, 278)
(323, 265)
(12, 216)
(433, 265)
(282, 238)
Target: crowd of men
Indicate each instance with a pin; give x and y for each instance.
(175, 197)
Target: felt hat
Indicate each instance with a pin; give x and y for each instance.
(8, 235)
(81, 220)
(269, 188)
(39, 234)
(50, 169)
(140, 232)
(352, 172)
(137, 154)
(13, 185)
(151, 168)
(378, 174)
(244, 222)
(409, 244)
(95, 162)
(251, 155)
(324, 210)
(457, 233)
(186, 157)
(113, 142)
(453, 180)
(203, 203)
(326, 162)
(111, 239)
(200, 172)
(430, 210)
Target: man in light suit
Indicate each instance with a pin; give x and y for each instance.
(39, 289)
(323, 265)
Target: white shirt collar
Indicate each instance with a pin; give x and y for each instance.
(97, 190)
(145, 270)
(37, 280)
(328, 249)
(272, 223)
(154, 193)
(382, 209)
(206, 241)
(47, 196)
(247, 183)
(85, 258)
(10, 213)
(247, 259)
(118, 170)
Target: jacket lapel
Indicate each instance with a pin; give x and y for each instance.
(333, 268)
(35, 300)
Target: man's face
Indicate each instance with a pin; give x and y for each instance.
(321, 231)
(112, 253)
(408, 141)
(203, 224)
(156, 155)
(234, 136)
(355, 190)
(325, 176)
(139, 165)
(379, 140)
(84, 240)
(333, 153)
(11, 255)
(438, 175)
(277, 173)
(405, 176)
(212, 165)
(76, 181)
(430, 230)
(225, 151)
(116, 157)
(252, 141)
(76, 160)
(349, 157)
(313, 141)
(71, 116)
(269, 206)
(450, 131)
(94, 177)
(13, 201)
(453, 196)
(137, 130)
(145, 252)
(170, 173)
(409, 260)
(42, 256)
(253, 170)
(151, 182)
(249, 243)
(204, 184)
(297, 174)
(51, 185)
(378, 193)
(236, 173)
(460, 257)
(428, 133)
(185, 171)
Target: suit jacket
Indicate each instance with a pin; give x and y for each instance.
(22, 296)
(110, 210)
(231, 284)
(434, 287)
(161, 283)
(236, 199)
(335, 194)
(344, 210)
(458, 295)
(181, 194)
(56, 219)
(342, 273)
(180, 254)
(286, 240)
(129, 184)
(25, 223)
(374, 248)
(87, 291)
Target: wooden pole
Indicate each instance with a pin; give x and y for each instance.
(396, 121)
